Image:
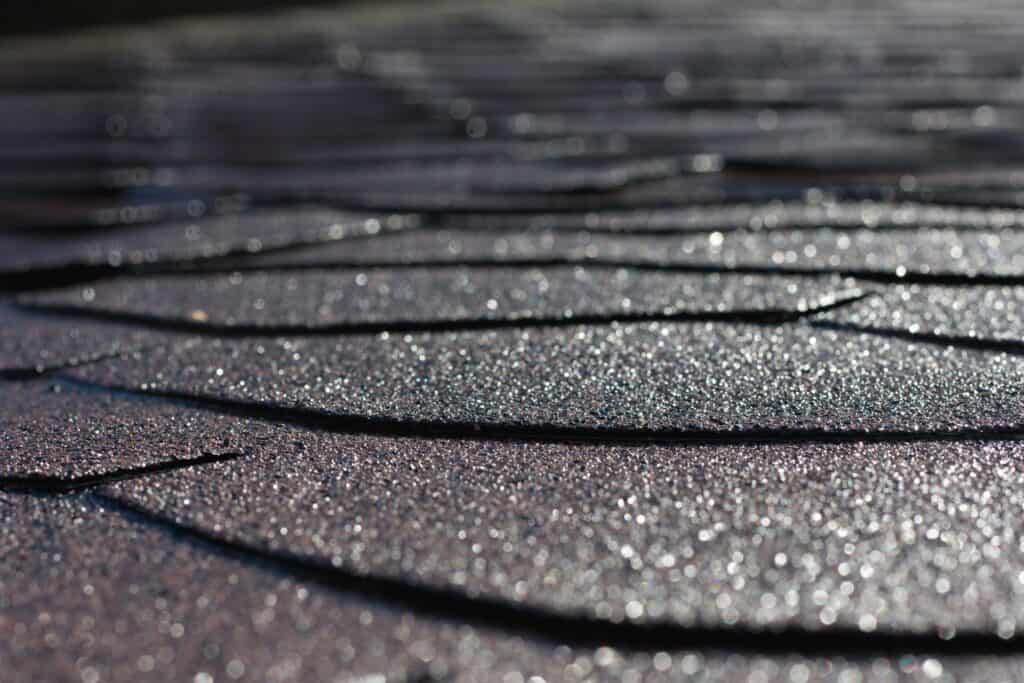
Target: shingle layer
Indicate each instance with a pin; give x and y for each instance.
(516, 342)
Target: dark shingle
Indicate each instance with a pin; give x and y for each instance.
(885, 536)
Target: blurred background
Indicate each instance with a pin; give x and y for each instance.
(51, 16)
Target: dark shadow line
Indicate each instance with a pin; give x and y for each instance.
(577, 629)
(57, 276)
(49, 277)
(600, 181)
(869, 275)
(347, 423)
(760, 316)
(1007, 346)
(24, 374)
(62, 276)
(806, 170)
(32, 483)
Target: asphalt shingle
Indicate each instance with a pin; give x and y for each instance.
(645, 379)
(530, 341)
(185, 241)
(891, 255)
(309, 300)
(54, 434)
(919, 537)
(98, 594)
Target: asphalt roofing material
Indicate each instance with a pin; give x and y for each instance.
(333, 300)
(643, 380)
(982, 256)
(519, 342)
(34, 344)
(877, 537)
(97, 592)
(63, 436)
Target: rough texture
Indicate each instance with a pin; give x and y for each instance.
(186, 241)
(515, 342)
(57, 433)
(90, 594)
(917, 536)
(647, 378)
(97, 595)
(981, 313)
(34, 343)
(323, 298)
(925, 251)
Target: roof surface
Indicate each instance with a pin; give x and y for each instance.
(565, 341)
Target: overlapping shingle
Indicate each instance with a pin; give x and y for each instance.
(895, 537)
(100, 594)
(678, 379)
(897, 255)
(353, 299)
(58, 436)
(561, 341)
(955, 315)
(98, 253)
(34, 344)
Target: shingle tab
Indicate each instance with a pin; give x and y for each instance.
(894, 537)
(650, 379)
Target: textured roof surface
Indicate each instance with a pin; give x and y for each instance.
(523, 342)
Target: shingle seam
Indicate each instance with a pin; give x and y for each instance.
(47, 484)
(580, 629)
(948, 279)
(1011, 347)
(763, 316)
(542, 433)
